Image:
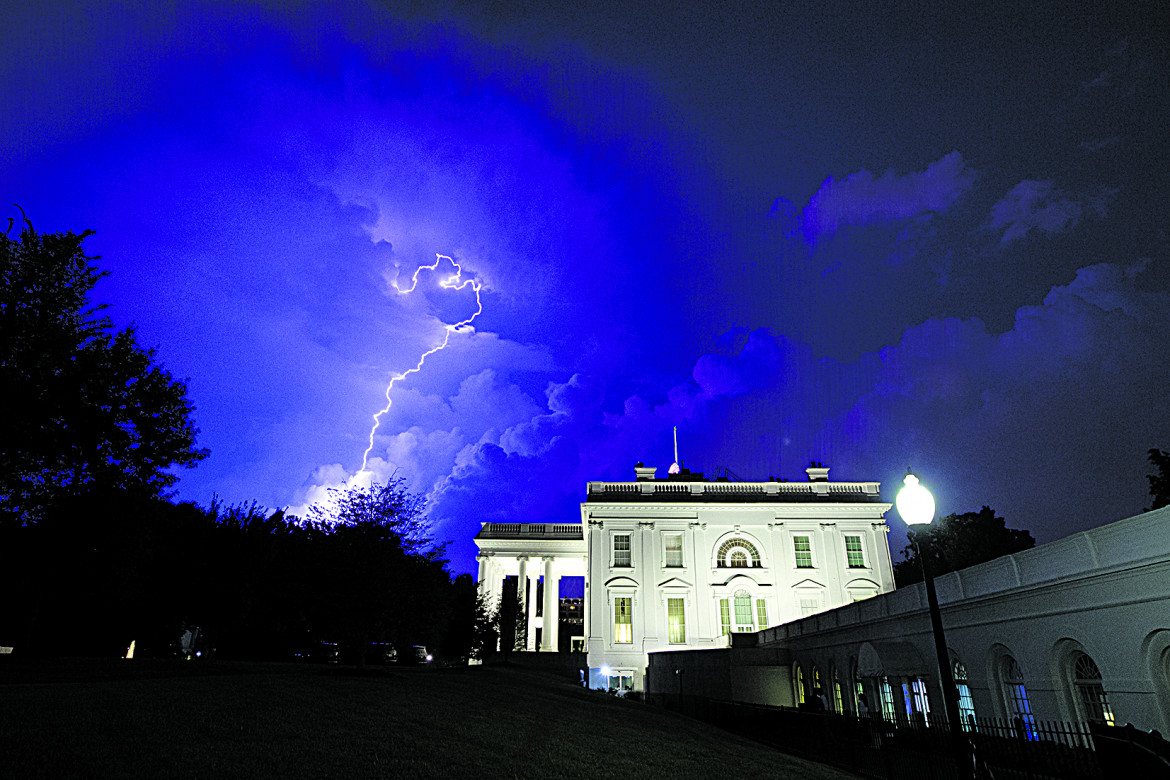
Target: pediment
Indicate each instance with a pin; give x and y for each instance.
(807, 584)
(675, 582)
(621, 582)
(741, 579)
(861, 582)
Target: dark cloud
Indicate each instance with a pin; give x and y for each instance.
(861, 197)
(1034, 205)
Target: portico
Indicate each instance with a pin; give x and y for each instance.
(531, 552)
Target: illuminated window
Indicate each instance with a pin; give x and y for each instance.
(621, 550)
(853, 553)
(838, 699)
(743, 611)
(886, 694)
(674, 555)
(921, 702)
(1017, 698)
(966, 703)
(623, 620)
(737, 553)
(800, 697)
(676, 622)
(803, 552)
(621, 682)
(725, 616)
(762, 613)
(1090, 690)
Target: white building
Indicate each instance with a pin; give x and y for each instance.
(683, 562)
(1074, 630)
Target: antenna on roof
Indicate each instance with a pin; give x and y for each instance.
(674, 466)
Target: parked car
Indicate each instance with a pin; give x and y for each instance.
(383, 653)
(319, 652)
(421, 656)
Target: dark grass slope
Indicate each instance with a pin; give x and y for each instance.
(160, 720)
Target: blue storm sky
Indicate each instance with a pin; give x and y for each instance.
(870, 235)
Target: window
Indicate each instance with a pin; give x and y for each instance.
(886, 694)
(921, 702)
(762, 613)
(737, 553)
(623, 620)
(819, 689)
(725, 616)
(621, 550)
(676, 622)
(809, 606)
(853, 554)
(803, 552)
(743, 611)
(674, 556)
(966, 703)
(621, 682)
(838, 699)
(800, 697)
(1017, 698)
(1090, 691)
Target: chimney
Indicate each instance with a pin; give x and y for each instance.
(644, 472)
(817, 472)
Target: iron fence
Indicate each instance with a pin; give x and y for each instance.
(907, 749)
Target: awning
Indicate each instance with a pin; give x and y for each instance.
(892, 659)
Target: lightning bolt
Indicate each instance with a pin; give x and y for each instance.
(453, 282)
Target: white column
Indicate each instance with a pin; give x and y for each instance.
(522, 589)
(481, 579)
(551, 608)
(531, 601)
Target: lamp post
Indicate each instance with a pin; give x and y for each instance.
(916, 506)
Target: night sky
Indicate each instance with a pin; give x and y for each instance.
(874, 237)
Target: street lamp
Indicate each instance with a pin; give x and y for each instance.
(916, 506)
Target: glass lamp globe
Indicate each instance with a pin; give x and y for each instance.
(915, 503)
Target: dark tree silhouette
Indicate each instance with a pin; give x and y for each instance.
(384, 576)
(87, 406)
(1159, 482)
(957, 541)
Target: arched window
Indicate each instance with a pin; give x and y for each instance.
(886, 694)
(1090, 691)
(917, 701)
(858, 691)
(819, 690)
(737, 552)
(1019, 709)
(798, 685)
(966, 703)
(838, 699)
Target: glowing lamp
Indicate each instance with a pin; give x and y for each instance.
(915, 503)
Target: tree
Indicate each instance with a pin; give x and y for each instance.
(1160, 482)
(382, 577)
(88, 407)
(958, 541)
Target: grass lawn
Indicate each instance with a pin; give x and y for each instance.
(168, 719)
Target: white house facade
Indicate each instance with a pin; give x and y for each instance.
(683, 562)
